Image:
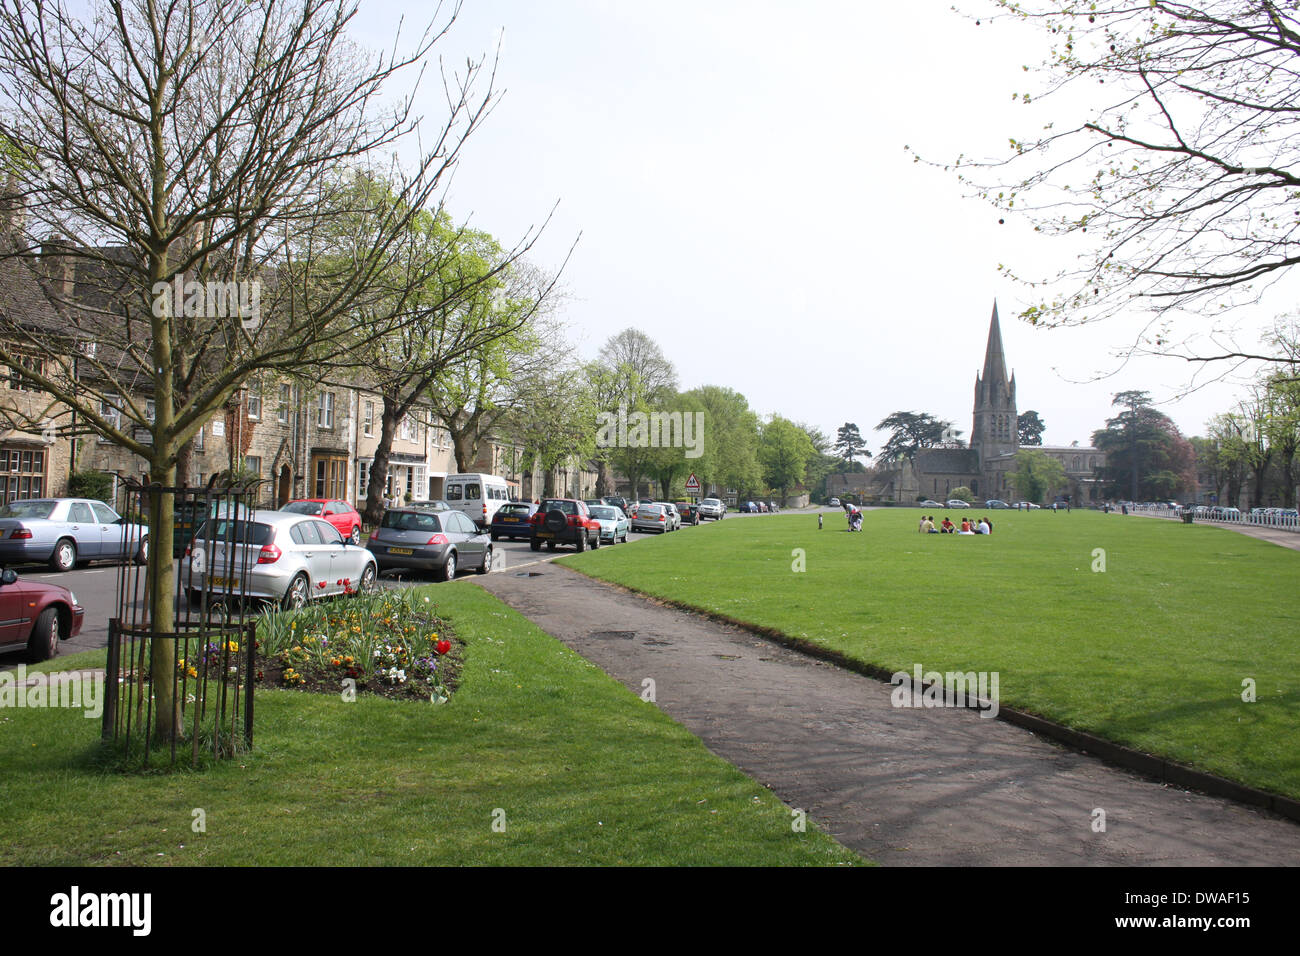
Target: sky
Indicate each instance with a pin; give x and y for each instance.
(736, 180)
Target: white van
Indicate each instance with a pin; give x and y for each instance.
(476, 496)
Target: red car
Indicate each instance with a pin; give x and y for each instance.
(36, 616)
(338, 513)
(563, 521)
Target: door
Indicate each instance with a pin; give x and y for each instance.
(340, 563)
(471, 543)
(112, 543)
(84, 530)
(316, 556)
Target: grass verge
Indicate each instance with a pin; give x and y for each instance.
(1138, 630)
(577, 769)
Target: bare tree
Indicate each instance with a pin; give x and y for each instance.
(205, 143)
(1180, 184)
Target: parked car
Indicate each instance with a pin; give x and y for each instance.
(36, 616)
(674, 516)
(834, 502)
(689, 511)
(429, 504)
(748, 507)
(996, 503)
(274, 556)
(476, 496)
(651, 518)
(712, 508)
(338, 513)
(618, 502)
(1027, 505)
(614, 524)
(191, 512)
(441, 542)
(957, 503)
(66, 532)
(929, 503)
(511, 520)
(563, 521)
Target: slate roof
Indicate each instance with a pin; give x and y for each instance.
(947, 461)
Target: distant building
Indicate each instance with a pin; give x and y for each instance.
(985, 464)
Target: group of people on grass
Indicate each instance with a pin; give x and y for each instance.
(968, 526)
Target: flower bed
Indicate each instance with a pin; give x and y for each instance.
(390, 643)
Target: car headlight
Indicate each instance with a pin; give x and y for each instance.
(73, 596)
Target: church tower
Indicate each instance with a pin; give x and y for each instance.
(994, 432)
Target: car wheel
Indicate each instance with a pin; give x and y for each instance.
(581, 543)
(44, 642)
(496, 537)
(65, 555)
(299, 593)
(369, 577)
(355, 536)
(448, 571)
(534, 545)
(486, 566)
(595, 542)
(550, 546)
(142, 556)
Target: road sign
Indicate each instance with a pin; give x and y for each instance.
(692, 485)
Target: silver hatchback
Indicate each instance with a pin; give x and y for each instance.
(275, 556)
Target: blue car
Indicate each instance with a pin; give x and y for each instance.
(512, 520)
(66, 532)
(614, 523)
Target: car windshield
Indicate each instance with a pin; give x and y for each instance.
(568, 507)
(603, 512)
(303, 507)
(28, 509)
(411, 521)
(239, 532)
(649, 509)
(513, 510)
(710, 501)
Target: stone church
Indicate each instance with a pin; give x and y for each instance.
(982, 466)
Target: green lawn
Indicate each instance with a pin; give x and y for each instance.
(1151, 652)
(582, 771)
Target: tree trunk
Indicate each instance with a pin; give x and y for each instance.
(160, 585)
(374, 512)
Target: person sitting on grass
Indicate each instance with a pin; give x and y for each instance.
(984, 527)
(965, 526)
(927, 525)
(948, 527)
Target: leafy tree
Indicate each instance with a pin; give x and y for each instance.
(187, 139)
(1180, 184)
(1146, 456)
(849, 443)
(731, 428)
(783, 452)
(910, 432)
(1030, 428)
(1037, 475)
(630, 372)
(557, 425)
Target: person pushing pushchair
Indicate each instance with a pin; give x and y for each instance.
(854, 515)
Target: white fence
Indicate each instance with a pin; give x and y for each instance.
(1220, 515)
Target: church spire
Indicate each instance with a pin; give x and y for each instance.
(995, 360)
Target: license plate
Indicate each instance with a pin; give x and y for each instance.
(224, 582)
(545, 534)
(505, 520)
(400, 551)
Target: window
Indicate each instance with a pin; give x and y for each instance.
(330, 476)
(22, 474)
(253, 463)
(103, 513)
(325, 411)
(32, 363)
(282, 413)
(80, 513)
(255, 403)
(410, 482)
(408, 433)
(368, 420)
(363, 478)
(150, 411)
(108, 408)
(198, 440)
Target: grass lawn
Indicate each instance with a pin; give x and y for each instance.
(580, 769)
(1151, 652)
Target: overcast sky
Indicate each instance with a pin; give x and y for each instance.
(738, 176)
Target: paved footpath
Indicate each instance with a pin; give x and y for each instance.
(900, 786)
(1279, 536)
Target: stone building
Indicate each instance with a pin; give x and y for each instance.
(985, 464)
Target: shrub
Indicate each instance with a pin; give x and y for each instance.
(91, 484)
